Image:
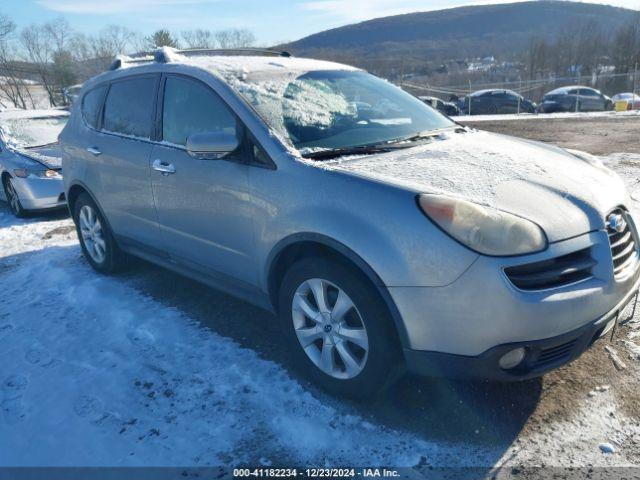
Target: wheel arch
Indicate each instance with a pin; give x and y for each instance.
(305, 245)
(74, 191)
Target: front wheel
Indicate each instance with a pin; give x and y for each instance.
(12, 198)
(340, 330)
(97, 242)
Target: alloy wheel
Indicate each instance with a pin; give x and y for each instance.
(92, 234)
(330, 328)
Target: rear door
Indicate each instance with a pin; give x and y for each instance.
(121, 152)
(204, 206)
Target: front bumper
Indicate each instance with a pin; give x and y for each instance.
(541, 355)
(473, 321)
(40, 193)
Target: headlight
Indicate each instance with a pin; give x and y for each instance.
(483, 229)
(26, 173)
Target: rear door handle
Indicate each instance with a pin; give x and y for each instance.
(163, 167)
(94, 151)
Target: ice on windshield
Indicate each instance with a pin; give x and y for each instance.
(31, 132)
(314, 103)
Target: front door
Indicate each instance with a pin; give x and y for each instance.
(203, 205)
(119, 153)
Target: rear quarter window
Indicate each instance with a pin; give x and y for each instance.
(91, 104)
(129, 106)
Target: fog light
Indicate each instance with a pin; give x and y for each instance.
(512, 359)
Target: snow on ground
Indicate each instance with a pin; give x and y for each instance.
(543, 116)
(93, 372)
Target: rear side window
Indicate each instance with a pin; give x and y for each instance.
(129, 105)
(588, 92)
(91, 103)
(190, 107)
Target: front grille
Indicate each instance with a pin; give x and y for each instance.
(553, 273)
(555, 354)
(623, 246)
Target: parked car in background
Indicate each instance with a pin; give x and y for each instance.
(71, 93)
(30, 159)
(448, 108)
(575, 99)
(496, 101)
(632, 100)
(385, 235)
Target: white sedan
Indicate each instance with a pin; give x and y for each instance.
(30, 160)
(632, 99)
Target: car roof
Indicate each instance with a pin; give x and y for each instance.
(562, 90)
(17, 114)
(490, 90)
(222, 62)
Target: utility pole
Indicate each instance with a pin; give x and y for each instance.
(519, 92)
(578, 95)
(469, 97)
(635, 83)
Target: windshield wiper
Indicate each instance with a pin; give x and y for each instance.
(427, 135)
(381, 147)
(358, 150)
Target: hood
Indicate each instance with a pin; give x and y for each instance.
(50, 155)
(565, 195)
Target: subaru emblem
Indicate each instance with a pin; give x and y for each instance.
(616, 222)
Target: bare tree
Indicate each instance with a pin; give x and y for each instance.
(235, 38)
(626, 46)
(39, 52)
(198, 38)
(7, 27)
(13, 86)
(94, 53)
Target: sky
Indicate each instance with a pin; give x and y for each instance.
(272, 21)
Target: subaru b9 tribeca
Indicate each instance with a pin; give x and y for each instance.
(386, 236)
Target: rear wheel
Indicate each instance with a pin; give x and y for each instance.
(96, 239)
(341, 332)
(12, 198)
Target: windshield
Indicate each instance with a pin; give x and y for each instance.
(32, 132)
(330, 109)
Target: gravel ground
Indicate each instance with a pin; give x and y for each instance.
(596, 135)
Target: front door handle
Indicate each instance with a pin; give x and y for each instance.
(94, 151)
(163, 167)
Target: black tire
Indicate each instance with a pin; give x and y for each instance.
(12, 198)
(114, 258)
(383, 365)
(493, 110)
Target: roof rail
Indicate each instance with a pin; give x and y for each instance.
(233, 51)
(160, 55)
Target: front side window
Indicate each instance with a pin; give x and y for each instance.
(91, 104)
(190, 107)
(129, 106)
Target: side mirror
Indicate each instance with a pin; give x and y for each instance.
(212, 145)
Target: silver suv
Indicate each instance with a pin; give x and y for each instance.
(386, 236)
